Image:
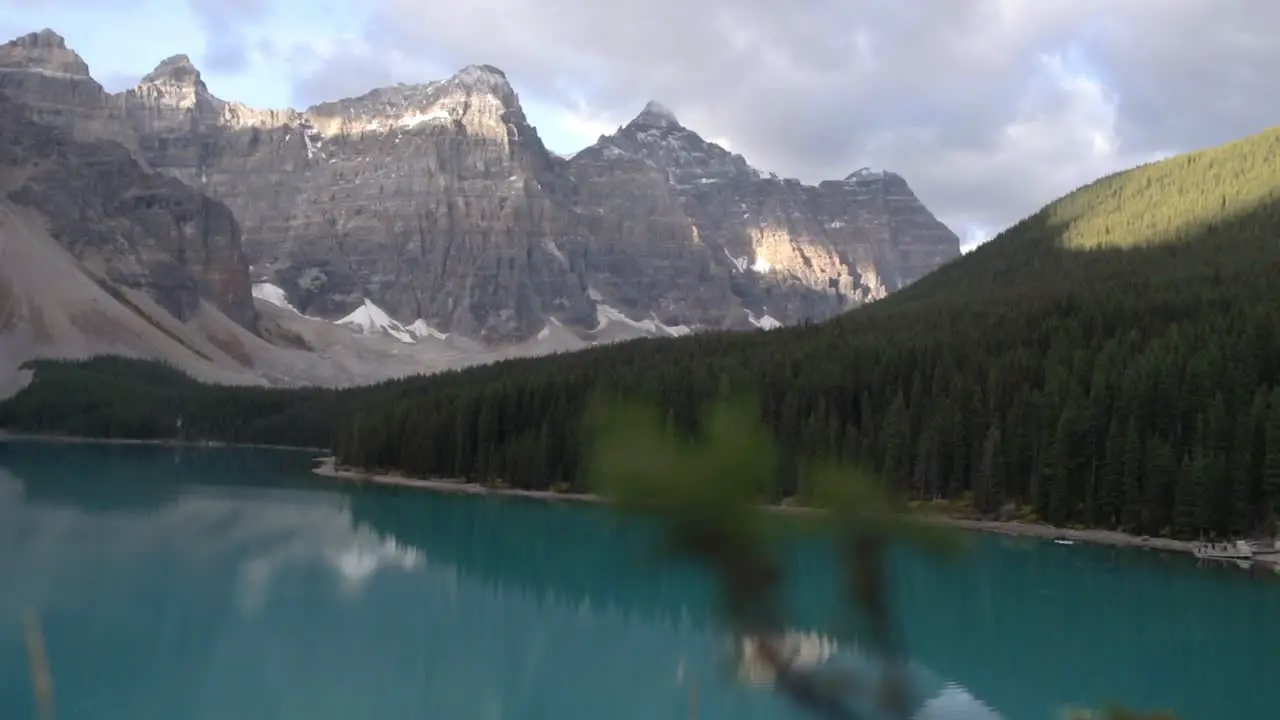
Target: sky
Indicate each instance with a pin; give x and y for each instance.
(989, 108)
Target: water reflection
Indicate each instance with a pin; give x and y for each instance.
(59, 549)
(805, 650)
(219, 583)
(821, 657)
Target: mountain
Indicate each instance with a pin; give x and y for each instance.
(438, 204)
(1113, 360)
(102, 254)
(99, 255)
(776, 249)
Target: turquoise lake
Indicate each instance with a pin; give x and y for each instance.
(202, 584)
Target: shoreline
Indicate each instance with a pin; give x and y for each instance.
(169, 442)
(328, 468)
(1114, 538)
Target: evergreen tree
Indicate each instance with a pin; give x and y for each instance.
(1271, 459)
(1111, 496)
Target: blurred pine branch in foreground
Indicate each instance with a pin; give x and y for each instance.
(709, 489)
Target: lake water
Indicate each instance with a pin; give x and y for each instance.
(193, 584)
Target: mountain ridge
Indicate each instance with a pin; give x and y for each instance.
(438, 204)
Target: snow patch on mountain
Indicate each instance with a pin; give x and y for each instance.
(370, 319)
(607, 314)
(418, 118)
(764, 322)
(420, 329)
(738, 262)
(865, 173)
(273, 294)
(759, 265)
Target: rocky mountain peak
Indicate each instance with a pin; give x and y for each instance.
(655, 114)
(486, 80)
(868, 174)
(175, 70)
(46, 52)
(478, 98)
(482, 77)
(171, 99)
(46, 38)
(656, 136)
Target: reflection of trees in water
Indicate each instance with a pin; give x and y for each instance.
(566, 558)
(573, 554)
(139, 477)
(1004, 624)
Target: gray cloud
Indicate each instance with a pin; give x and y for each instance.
(353, 70)
(989, 108)
(227, 46)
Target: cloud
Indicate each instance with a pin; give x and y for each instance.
(989, 108)
(228, 46)
(330, 69)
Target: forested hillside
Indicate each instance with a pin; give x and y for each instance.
(1113, 360)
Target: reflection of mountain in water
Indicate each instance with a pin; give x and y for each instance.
(563, 552)
(804, 649)
(141, 500)
(520, 544)
(821, 656)
(1008, 626)
(505, 577)
(489, 579)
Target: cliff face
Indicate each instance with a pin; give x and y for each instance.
(439, 203)
(125, 224)
(788, 251)
(39, 70)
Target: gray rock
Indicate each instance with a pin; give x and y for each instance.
(438, 202)
(787, 251)
(125, 224)
(39, 70)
